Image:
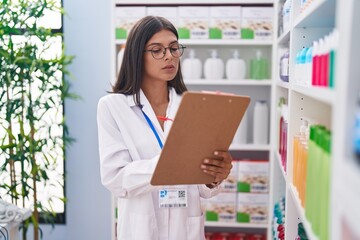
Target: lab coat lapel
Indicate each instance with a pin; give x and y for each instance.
(146, 107)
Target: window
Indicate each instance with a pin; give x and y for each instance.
(43, 112)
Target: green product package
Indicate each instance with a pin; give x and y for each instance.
(120, 33)
(212, 216)
(325, 198)
(318, 178)
(259, 69)
(247, 33)
(312, 155)
(215, 33)
(184, 33)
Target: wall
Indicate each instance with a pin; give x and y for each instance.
(87, 36)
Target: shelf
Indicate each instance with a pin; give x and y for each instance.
(321, 13)
(235, 225)
(309, 232)
(351, 176)
(121, 2)
(216, 42)
(249, 147)
(278, 160)
(284, 38)
(225, 82)
(282, 84)
(321, 94)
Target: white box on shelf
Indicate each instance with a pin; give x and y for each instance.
(193, 22)
(253, 176)
(257, 23)
(225, 22)
(125, 18)
(220, 208)
(230, 183)
(252, 208)
(170, 13)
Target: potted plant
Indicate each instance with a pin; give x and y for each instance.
(33, 87)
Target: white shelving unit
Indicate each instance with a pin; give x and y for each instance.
(333, 108)
(257, 89)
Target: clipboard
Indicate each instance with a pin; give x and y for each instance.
(204, 123)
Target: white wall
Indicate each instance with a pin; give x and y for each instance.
(87, 36)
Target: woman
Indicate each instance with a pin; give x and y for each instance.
(133, 122)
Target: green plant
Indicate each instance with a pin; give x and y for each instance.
(33, 87)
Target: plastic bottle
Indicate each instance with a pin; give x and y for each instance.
(325, 186)
(259, 67)
(333, 48)
(315, 63)
(235, 67)
(286, 14)
(284, 66)
(191, 67)
(302, 66)
(308, 67)
(241, 133)
(261, 123)
(214, 66)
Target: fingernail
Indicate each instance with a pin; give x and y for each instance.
(203, 166)
(206, 161)
(216, 153)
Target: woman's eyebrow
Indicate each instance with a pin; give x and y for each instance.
(162, 44)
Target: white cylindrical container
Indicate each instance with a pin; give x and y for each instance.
(191, 67)
(241, 133)
(261, 123)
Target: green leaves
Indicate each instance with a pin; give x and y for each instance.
(33, 87)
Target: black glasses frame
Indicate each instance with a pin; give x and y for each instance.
(181, 49)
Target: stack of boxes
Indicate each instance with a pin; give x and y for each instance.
(244, 195)
(203, 22)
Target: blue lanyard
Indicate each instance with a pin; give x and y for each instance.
(153, 129)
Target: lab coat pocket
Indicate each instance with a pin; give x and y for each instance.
(143, 227)
(195, 228)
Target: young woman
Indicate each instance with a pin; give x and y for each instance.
(133, 122)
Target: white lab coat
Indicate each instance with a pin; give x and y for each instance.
(129, 153)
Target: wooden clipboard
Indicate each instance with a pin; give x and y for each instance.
(204, 123)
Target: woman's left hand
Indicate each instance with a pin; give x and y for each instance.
(218, 167)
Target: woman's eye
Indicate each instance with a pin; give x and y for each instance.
(156, 50)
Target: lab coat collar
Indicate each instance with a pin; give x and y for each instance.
(146, 107)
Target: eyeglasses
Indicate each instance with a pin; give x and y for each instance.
(158, 51)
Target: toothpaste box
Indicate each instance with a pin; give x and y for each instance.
(257, 23)
(252, 208)
(253, 176)
(125, 18)
(225, 22)
(193, 22)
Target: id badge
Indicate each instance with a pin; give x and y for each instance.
(173, 198)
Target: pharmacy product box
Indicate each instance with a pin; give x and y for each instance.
(230, 183)
(257, 23)
(170, 13)
(193, 22)
(220, 208)
(252, 208)
(224, 22)
(125, 18)
(253, 176)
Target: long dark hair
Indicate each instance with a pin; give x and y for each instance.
(131, 70)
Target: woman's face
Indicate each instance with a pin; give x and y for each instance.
(165, 68)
